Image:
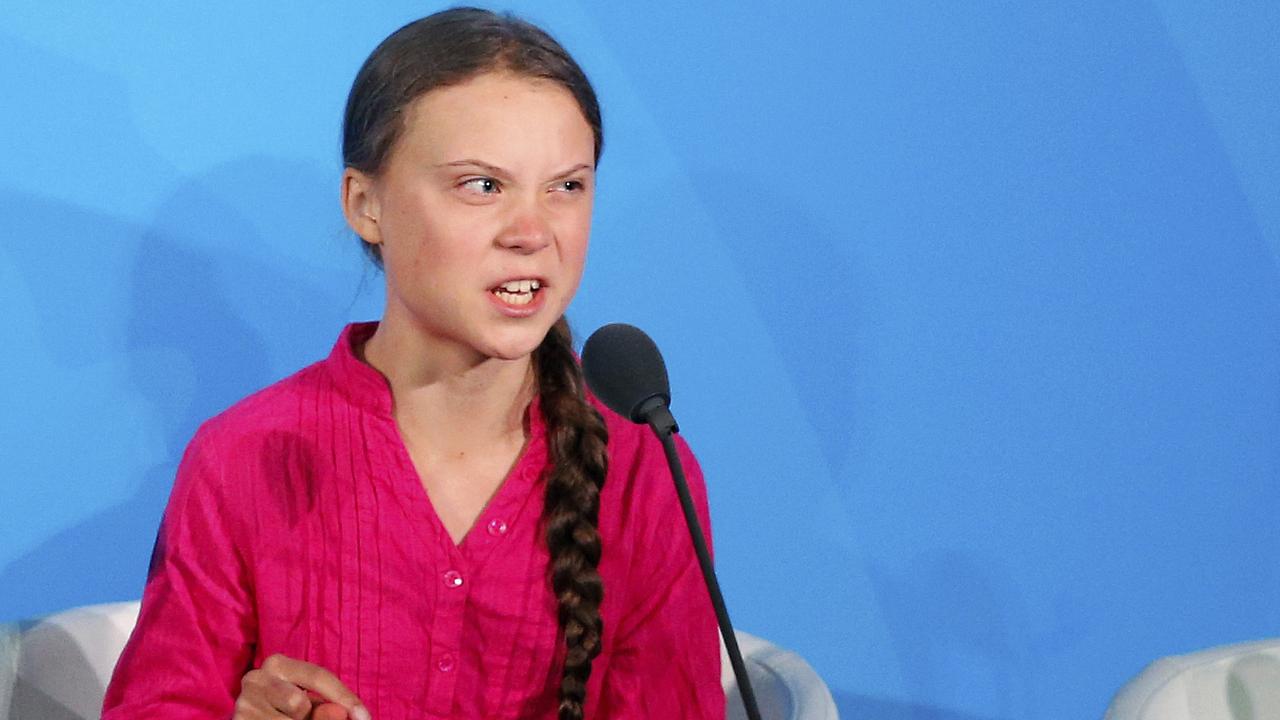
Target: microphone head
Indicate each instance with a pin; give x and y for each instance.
(624, 369)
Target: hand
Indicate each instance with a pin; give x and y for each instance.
(288, 688)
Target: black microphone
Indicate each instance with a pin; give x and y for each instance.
(624, 369)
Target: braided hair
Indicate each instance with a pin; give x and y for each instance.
(449, 48)
(576, 439)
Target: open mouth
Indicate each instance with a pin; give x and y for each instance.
(517, 292)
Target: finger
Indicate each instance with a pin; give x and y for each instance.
(254, 701)
(287, 698)
(329, 711)
(318, 680)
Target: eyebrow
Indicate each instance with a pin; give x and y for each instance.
(495, 170)
(576, 168)
(468, 162)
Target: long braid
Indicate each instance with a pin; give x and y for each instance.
(576, 440)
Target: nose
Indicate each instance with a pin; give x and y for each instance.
(527, 230)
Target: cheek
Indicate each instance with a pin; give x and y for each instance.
(418, 262)
(575, 259)
(576, 238)
(434, 242)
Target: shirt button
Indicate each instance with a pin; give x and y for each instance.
(497, 527)
(452, 579)
(445, 663)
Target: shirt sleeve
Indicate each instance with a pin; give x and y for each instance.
(666, 656)
(195, 631)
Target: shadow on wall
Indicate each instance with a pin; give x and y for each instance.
(761, 227)
(960, 632)
(862, 707)
(189, 344)
(180, 340)
(105, 294)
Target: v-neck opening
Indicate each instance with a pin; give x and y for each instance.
(506, 504)
(371, 390)
(488, 503)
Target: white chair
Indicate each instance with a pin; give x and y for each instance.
(786, 688)
(1231, 682)
(57, 668)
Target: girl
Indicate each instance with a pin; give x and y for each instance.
(437, 520)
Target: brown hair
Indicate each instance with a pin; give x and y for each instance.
(448, 48)
(443, 49)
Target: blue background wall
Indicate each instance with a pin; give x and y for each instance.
(971, 309)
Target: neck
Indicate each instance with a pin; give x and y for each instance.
(448, 398)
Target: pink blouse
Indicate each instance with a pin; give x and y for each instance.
(298, 525)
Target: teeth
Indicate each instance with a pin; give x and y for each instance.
(523, 298)
(520, 286)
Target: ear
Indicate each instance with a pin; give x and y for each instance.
(360, 205)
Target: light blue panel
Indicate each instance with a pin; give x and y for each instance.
(1229, 52)
(1036, 336)
(173, 242)
(971, 311)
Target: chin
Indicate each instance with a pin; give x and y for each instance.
(515, 346)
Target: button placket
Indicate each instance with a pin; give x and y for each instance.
(444, 660)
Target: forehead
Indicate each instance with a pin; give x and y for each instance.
(495, 115)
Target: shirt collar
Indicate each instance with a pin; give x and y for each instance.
(363, 386)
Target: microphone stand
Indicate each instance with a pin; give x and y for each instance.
(656, 413)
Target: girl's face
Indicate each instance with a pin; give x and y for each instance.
(482, 212)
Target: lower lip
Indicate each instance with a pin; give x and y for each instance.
(519, 311)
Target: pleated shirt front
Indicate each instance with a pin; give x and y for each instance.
(298, 525)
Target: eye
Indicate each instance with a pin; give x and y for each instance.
(480, 185)
(570, 186)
